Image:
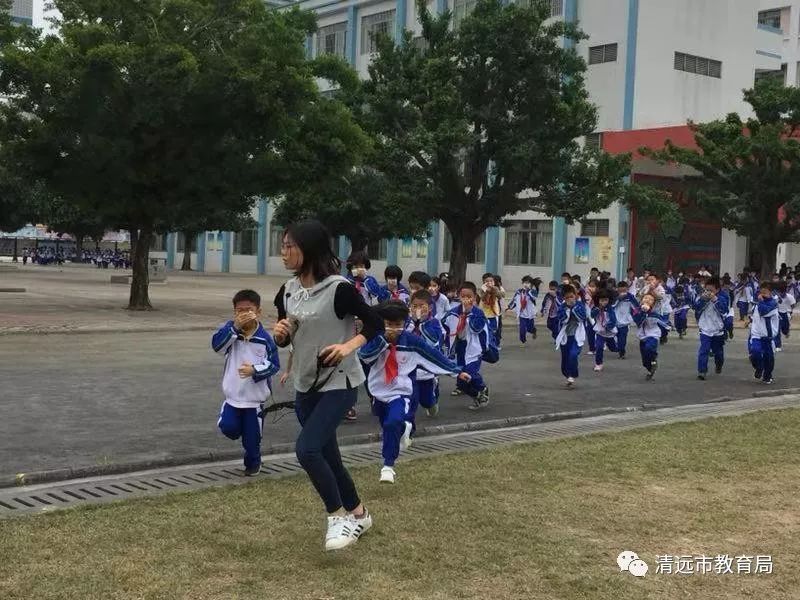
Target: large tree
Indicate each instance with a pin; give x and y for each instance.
(145, 109)
(748, 170)
(489, 115)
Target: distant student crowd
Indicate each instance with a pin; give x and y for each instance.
(102, 259)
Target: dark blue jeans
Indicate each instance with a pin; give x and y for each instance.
(318, 450)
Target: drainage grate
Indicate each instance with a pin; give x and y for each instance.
(96, 490)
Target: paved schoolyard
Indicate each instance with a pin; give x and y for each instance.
(95, 398)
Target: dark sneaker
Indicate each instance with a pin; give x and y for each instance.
(718, 369)
(251, 471)
(701, 376)
(351, 415)
(757, 374)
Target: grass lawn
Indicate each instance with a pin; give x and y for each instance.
(531, 521)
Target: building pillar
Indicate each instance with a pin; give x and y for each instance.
(630, 64)
(434, 237)
(226, 252)
(261, 255)
(391, 251)
(201, 252)
(170, 243)
(350, 34)
(559, 247)
(400, 13)
(309, 47)
(441, 6)
(492, 249)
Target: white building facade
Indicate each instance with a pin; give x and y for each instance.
(652, 65)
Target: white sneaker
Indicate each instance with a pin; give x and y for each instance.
(387, 475)
(405, 439)
(598, 367)
(570, 382)
(778, 349)
(360, 526)
(340, 532)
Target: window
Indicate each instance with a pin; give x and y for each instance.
(158, 243)
(332, 39)
(697, 64)
(594, 228)
(378, 249)
(181, 242)
(246, 242)
(22, 9)
(275, 239)
(529, 243)
(476, 254)
(420, 43)
(779, 75)
(461, 8)
(406, 248)
(770, 18)
(602, 54)
(594, 140)
(422, 248)
(374, 25)
(556, 8)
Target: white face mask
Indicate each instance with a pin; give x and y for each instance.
(527, 286)
(418, 314)
(391, 282)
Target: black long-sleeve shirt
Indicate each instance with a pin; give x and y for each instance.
(346, 301)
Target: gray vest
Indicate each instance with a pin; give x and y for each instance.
(319, 327)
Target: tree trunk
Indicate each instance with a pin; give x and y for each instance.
(15, 258)
(140, 297)
(458, 255)
(769, 256)
(78, 245)
(188, 245)
(358, 243)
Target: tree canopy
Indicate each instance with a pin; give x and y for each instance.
(145, 110)
(489, 116)
(748, 170)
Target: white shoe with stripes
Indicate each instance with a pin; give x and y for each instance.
(340, 532)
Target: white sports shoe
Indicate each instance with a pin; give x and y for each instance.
(570, 381)
(340, 532)
(598, 367)
(360, 526)
(387, 475)
(405, 439)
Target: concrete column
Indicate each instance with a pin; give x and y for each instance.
(559, 247)
(226, 251)
(201, 252)
(434, 243)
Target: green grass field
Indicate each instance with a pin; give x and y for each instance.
(530, 521)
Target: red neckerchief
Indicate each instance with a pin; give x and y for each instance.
(390, 368)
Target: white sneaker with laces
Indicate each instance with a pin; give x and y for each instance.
(405, 439)
(598, 367)
(570, 381)
(361, 525)
(340, 532)
(387, 475)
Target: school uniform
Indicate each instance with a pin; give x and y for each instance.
(368, 287)
(392, 368)
(605, 329)
(492, 314)
(571, 336)
(649, 329)
(399, 293)
(588, 324)
(426, 386)
(730, 314)
(549, 311)
(763, 327)
(467, 338)
(710, 318)
(244, 398)
(441, 305)
(743, 297)
(624, 308)
(524, 306)
(680, 311)
(785, 304)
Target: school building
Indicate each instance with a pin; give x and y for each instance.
(652, 65)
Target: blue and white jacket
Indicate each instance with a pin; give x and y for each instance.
(786, 303)
(681, 306)
(430, 330)
(468, 346)
(550, 304)
(569, 317)
(530, 303)
(260, 351)
(624, 308)
(400, 293)
(368, 287)
(765, 322)
(605, 321)
(412, 353)
(711, 315)
(650, 323)
(441, 305)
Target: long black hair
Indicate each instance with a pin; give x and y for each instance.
(314, 241)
